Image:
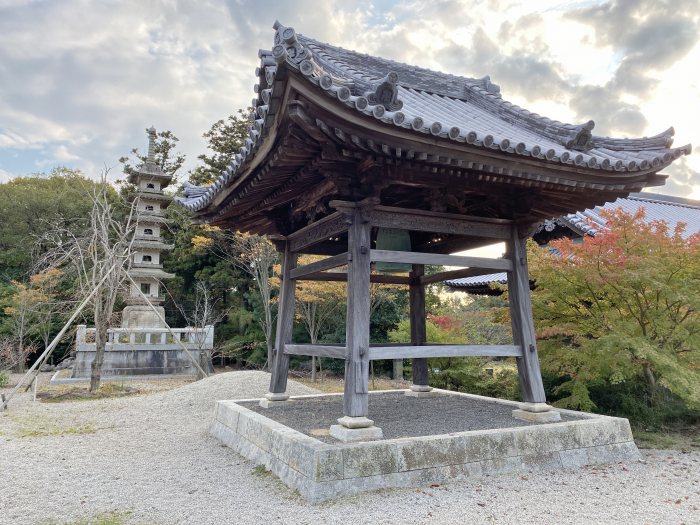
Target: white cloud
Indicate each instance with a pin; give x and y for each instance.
(86, 79)
(5, 176)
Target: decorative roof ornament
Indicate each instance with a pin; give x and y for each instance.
(287, 46)
(490, 86)
(386, 93)
(151, 158)
(582, 139)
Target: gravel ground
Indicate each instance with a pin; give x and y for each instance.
(397, 415)
(150, 456)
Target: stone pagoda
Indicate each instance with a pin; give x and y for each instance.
(146, 268)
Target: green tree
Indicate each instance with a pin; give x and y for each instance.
(32, 206)
(620, 307)
(166, 155)
(224, 139)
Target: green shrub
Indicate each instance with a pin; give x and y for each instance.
(473, 376)
(4, 378)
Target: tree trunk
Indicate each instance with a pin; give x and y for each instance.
(21, 368)
(270, 355)
(651, 381)
(100, 343)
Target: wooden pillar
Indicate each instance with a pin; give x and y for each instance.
(531, 388)
(285, 320)
(417, 320)
(356, 394)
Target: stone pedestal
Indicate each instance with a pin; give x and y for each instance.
(352, 429)
(536, 413)
(142, 316)
(273, 400)
(420, 391)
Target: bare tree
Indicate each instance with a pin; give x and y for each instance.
(256, 256)
(316, 304)
(99, 259)
(204, 314)
(21, 313)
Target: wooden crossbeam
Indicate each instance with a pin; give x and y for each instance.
(440, 259)
(421, 220)
(336, 352)
(343, 277)
(426, 351)
(319, 231)
(434, 222)
(318, 266)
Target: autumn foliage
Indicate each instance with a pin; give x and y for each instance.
(622, 306)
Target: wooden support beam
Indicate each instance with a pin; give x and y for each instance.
(318, 266)
(319, 231)
(440, 260)
(426, 221)
(285, 320)
(425, 351)
(453, 274)
(336, 352)
(531, 387)
(430, 221)
(417, 324)
(343, 277)
(356, 394)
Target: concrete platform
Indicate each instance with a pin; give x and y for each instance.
(321, 468)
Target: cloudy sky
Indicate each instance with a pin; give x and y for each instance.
(81, 80)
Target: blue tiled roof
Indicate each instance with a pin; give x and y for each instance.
(672, 210)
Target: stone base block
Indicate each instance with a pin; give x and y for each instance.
(269, 403)
(429, 393)
(355, 422)
(421, 391)
(353, 435)
(550, 416)
(322, 471)
(273, 399)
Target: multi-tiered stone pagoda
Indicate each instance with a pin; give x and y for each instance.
(146, 268)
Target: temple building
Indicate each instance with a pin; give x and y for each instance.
(369, 161)
(345, 145)
(146, 267)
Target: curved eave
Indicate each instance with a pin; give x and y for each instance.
(274, 72)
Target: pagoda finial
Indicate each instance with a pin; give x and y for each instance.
(151, 159)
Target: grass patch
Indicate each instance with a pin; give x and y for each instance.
(55, 431)
(73, 393)
(29, 426)
(106, 518)
(261, 470)
(685, 441)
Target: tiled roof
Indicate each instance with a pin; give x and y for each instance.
(452, 108)
(672, 210)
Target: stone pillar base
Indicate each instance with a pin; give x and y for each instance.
(536, 413)
(421, 391)
(355, 429)
(349, 435)
(274, 400)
